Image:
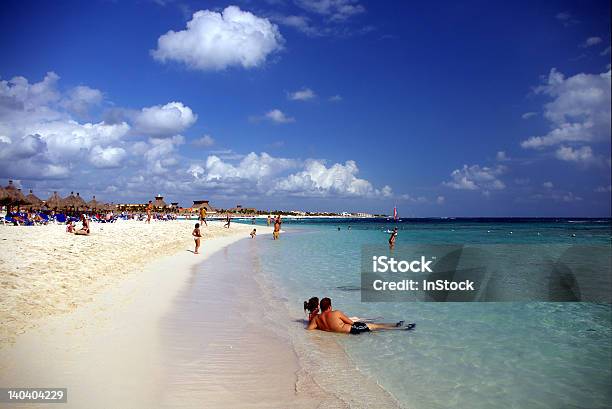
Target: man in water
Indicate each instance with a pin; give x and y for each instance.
(277, 227)
(335, 321)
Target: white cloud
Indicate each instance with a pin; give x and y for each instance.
(606, 51)
(579, 111)
(604, 189)
(476, 177)
(501, 156)
(440, 200)
(335, 98)
(528, 115)
(339, 180)
(567, 153)
(204, 141)
(81, 98)
(548, 185)
(278, 116)
(128, 159)
(215, 41)
(164, 121)
(106, 158)
(591, 41)
(300, 23)
(335, 10)
(302, 95)
(252, 167)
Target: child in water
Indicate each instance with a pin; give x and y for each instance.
(196, 236)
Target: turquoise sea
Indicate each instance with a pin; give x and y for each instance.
(461, 355)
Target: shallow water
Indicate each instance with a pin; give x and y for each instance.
(462, 355)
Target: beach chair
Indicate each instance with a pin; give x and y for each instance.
(60, 218)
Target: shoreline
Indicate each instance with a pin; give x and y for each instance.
(56, 273)
(108, 350)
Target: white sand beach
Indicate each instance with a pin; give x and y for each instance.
(93, 326)
(45, 271)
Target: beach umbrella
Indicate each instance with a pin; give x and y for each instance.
(159, 202)
(54, 201)
(70, 202)
(33, 200)
(4, 196)
(80, 203)
(15, 196)
(95, 205)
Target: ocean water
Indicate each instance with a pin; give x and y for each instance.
(461, 355)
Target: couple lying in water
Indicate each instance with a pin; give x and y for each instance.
(326, 319)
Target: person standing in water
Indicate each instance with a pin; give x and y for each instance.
(392, 238)
(197, 235)
(277, 227)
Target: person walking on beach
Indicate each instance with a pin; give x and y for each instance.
(149, 210)
(392, 238)
(335, 321)
(228, 219)
(254, 233)
(197, 235)
(203, 216)
(277, 227)
(269, 221)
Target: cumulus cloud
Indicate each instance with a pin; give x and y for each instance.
(302, 95)
(477, 177)
(216, 41)
(252, 167)
(335, 10)
(567, 153)
(319, 180)
(603, 189)
(141, 152)
(579, 113)
(278, 116)
(205, 141)
(106, 158)
(80, 99)
(548, 185)
(335, 98)
(528, 115)
(164, 120)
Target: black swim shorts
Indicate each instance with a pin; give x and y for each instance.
(359, 327)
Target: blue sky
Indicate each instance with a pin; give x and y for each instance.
(470, 109)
